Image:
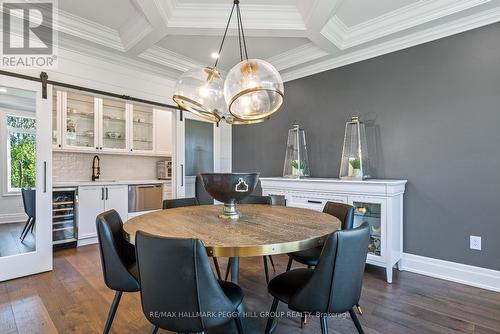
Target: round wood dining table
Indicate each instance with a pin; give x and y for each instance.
(260, 230)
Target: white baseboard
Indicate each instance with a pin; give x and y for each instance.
(86, 241)
(451, 271)
(12, 218)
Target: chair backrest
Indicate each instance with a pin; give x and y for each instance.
(344, 212)
(117, 255)
(29, 202)
(335, 285)
(180, 202)
(177, 280)
(256, 200)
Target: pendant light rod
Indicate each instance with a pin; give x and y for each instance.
(242, 31)
(225, 32)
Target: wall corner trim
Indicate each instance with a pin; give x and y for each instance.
(451, 271)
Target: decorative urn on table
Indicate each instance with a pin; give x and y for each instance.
(229, 188)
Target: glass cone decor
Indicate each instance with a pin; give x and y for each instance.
(252, 91)
(296, 161)
(355, 163)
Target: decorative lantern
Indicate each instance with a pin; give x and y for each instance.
(355, 163)
(296, 162)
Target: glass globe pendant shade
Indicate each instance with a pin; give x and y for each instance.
(200, 91)
(253, 90)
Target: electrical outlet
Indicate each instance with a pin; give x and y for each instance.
(475, 242)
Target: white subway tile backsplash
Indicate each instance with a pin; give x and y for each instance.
(78, 167)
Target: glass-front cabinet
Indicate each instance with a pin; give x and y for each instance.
(371, 211)
(114, 125)
(142, 128)
(82, 122)
(79, 121)
(56, 119)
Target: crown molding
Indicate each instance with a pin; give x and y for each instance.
(134, 31)
(299, 55)
(214, 16)
(88, 30)
(114, 58)
(170, 59)
(444, 30)
(410, 16)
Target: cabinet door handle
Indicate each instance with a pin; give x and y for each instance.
(45, 176)
(107, 194)
(102, 194)
(314, 202)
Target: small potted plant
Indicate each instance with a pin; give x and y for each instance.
(298, 167)
(356, 168)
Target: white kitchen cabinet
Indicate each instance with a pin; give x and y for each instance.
(86, 123)
(114, 125)
(142, 129)
(164, 132)
(377, 202)
(94, 200)
(90, 204)
(80, 126)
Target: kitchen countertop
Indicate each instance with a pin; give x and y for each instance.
(64, 184)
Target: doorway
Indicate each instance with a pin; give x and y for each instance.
(199, 157)
(25, 186)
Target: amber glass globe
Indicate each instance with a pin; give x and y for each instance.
(253, 90)
(200, 90)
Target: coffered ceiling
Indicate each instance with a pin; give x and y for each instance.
(299, 37)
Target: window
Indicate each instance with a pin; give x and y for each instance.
(21, 152)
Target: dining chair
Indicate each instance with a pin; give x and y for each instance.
(183, 202)
(29, 203)
(180, 202)
(345, 213)
(179, 291)
(333, 286)
(265, 200)
(117, 258)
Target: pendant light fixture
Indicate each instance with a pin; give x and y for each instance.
(252, 91)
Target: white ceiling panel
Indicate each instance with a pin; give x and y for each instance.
(353, 12)
(200, 48)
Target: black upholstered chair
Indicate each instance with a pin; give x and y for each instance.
(181, 282)
(333, 286)
(310, 257)
(190, 201)
(117, 259)
(265, 200)
(29, 203)
(180, 202)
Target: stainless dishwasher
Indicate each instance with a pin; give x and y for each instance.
(145, 197)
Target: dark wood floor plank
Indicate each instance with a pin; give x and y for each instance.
(7, 320)
(74, 299)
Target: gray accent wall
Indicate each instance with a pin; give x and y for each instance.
(433, 117)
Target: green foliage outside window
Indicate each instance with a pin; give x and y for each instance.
(22, 152)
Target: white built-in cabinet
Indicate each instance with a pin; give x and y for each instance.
(377, 202)
(86, 123)
(94, 200)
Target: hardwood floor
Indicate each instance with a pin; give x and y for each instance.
(74, 299)
(10, 244)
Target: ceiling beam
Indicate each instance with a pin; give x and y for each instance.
(316, 14)
(143, 31)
